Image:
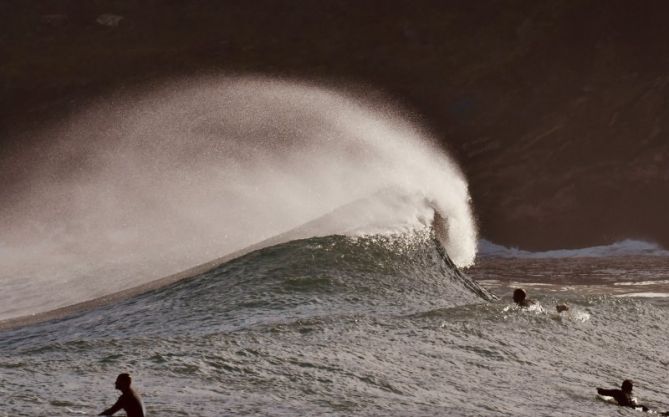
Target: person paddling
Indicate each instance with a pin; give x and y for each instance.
(622, 396)
(520, 298)
(128, 401)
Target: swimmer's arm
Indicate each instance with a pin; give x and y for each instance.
(114, 408)
(607, 392)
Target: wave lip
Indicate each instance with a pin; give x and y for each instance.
(627, 247)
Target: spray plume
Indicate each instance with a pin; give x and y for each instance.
(150, 184)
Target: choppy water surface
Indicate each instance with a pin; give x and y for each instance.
(368, 326)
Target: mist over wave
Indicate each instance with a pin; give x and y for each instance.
(627, 247)
(148, 184)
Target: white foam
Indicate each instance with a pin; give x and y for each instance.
(626, 247)
(645, 295)
(642, 283)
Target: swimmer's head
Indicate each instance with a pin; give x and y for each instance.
(627, 386)
(562, 307)
(519, 295)
(123, 382)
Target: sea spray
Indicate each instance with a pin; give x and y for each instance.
(143, 185)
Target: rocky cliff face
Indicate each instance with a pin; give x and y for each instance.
(556, 110)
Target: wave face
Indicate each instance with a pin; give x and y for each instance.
(299, 280)
(628, 247)
(141, 186)
(345, 326)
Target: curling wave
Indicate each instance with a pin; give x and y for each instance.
(310, 279)
(142, 186)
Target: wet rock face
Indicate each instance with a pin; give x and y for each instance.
(555, 110)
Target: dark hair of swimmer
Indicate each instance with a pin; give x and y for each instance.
(562, 307)
(627, 386)
(123, 382)
(520, 298)
(519, 295)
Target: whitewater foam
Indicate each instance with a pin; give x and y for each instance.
(641, 283)
(644, 295)
(628, 247)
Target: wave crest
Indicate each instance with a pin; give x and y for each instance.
(145, 185)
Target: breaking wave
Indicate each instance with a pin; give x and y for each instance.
(626, 247)
(144, 185)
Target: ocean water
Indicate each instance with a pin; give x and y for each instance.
(331, 231)
(366, 326)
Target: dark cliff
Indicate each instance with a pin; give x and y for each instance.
(555, 110)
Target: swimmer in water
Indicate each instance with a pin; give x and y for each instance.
(622, 396)
(520, 298)
(562, 307)
(128, 401)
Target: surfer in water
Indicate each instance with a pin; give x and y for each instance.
(562, 307)
(622, 396)
(520, 298)
(128, 401)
